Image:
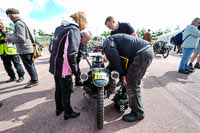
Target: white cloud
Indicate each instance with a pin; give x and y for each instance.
(45, 25)
(39, 4)
(153, 14)
(24, 6)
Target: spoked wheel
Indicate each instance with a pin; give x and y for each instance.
(166, 53)
(100, 108)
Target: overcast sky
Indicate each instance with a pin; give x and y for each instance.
(153, 14)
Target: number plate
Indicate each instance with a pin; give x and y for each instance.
(99, 75)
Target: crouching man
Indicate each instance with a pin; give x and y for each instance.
(130, 56)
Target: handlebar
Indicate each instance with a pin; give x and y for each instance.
(85, 55)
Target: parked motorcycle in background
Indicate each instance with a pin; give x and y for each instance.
(162, 48)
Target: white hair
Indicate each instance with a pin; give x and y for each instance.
(196, 21)
(86, 32)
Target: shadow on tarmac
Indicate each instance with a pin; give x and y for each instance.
(13, 86)
(150, 82)
(22, 105)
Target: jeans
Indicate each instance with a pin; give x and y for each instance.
(7, 62)
(135, 74)
(187, 52)
(29, 65)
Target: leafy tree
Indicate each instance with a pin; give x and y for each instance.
(167, 31)
(10, 27)
(105, 34)
(177, 27)
(40, 32)
(140, 33)
(159, 32)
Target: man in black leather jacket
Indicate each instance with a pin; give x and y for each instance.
(130, 56)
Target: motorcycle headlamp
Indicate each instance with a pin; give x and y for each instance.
(114, 75)
(84, 77)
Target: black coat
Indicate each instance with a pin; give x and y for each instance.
(120, 50)
(56, 58)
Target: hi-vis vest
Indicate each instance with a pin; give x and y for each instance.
(6, 49)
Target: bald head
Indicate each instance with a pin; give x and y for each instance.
(85, 37)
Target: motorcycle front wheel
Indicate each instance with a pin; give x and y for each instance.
(166, 53)
(100, 108)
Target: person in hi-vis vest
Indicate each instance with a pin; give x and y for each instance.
(9, 55)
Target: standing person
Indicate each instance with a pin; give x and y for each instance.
(147, 35)
(193, 35)
(9, 55)
(118, 27)
(195, 55)
(130, 56)
(21, 38)
(63, 61)
(85, 37)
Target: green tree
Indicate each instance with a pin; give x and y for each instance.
(140, 33)
(177, 27)
(167, 31)
(41, 32)
(158, 32)
(105, 34)
(10, 27)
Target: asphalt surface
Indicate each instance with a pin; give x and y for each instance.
(171, 101)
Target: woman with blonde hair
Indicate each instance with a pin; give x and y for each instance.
(192, 35)
(80, 18)
(63, 61)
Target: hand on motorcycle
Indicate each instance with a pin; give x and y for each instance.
(105, 60)
(8, 40)
(124, 81)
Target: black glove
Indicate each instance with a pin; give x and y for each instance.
(73, 64)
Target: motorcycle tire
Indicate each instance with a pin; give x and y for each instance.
(165, 53)
(100, 108)
(122, 108)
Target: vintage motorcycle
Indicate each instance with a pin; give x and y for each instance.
(163, 48)
(100, 83)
